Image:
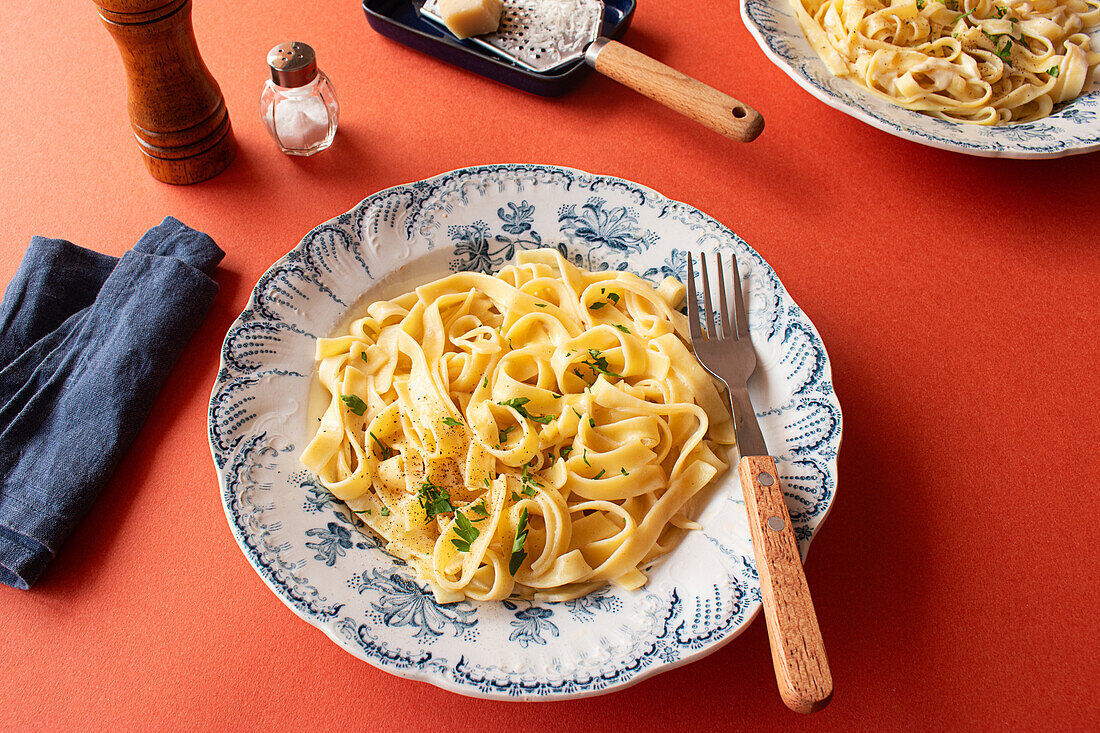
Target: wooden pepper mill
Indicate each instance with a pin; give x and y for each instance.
(176, 108)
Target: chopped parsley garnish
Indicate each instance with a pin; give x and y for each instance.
(574, 409)
(354, 404)
(466, 531)
(555, 395)
(599, 363)
(480, 509)
(384, 511)
(591, 422)
(485, 383)
(434, 499)
(613, 297)
(516, 497)
(518, 555)
(363, 355)
(517, 404)
(452, 423)
(486, 482)
(600, 474)
(387, 452)
(624, 472)
(1054, 70)
(502, 435)
(597, 305)
(1005, 51)
(566, 451)
(586, 458)
(622, 328)
(529, 482)
(920, 4)
(540, 305)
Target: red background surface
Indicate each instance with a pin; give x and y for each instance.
(955, 578)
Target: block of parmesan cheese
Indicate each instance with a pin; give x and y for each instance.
(467, 18)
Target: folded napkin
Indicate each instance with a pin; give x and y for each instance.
(86, 341)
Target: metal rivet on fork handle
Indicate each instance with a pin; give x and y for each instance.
(765, 479)
(776, 523)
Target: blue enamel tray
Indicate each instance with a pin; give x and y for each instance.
(400, 20)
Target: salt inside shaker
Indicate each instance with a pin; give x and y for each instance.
(298, 104)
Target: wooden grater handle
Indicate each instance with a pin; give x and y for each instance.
(690, 97)
(798, 653)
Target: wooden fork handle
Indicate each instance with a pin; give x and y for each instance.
(690, 97)
(798, 654)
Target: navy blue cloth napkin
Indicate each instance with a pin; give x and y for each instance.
(86, 341)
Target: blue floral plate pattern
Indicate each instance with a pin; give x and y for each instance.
(306, 545)
(1071, 129)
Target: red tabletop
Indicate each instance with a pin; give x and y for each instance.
(955, 579)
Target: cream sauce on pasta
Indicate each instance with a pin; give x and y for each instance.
(984, 62)
(540, 432)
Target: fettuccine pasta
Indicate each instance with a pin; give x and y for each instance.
(540, 432)
(985, 62)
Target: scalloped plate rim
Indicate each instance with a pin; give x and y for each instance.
(415, 673)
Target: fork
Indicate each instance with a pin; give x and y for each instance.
(798, 653)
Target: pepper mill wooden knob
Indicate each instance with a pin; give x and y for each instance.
(176, 108)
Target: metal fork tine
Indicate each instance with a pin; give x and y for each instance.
(739, 301)
(725, 322)
(711, 333)
(693, 300)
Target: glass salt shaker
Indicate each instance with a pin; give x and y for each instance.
(298, 104)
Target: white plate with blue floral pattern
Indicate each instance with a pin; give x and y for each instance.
(307, 547)
(1073, 128)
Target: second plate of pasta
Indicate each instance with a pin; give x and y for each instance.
(995, 78)
(458, 430)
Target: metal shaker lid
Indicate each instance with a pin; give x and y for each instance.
(292, 64)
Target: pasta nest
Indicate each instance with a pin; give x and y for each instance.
(983, 62)
(540, 432)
